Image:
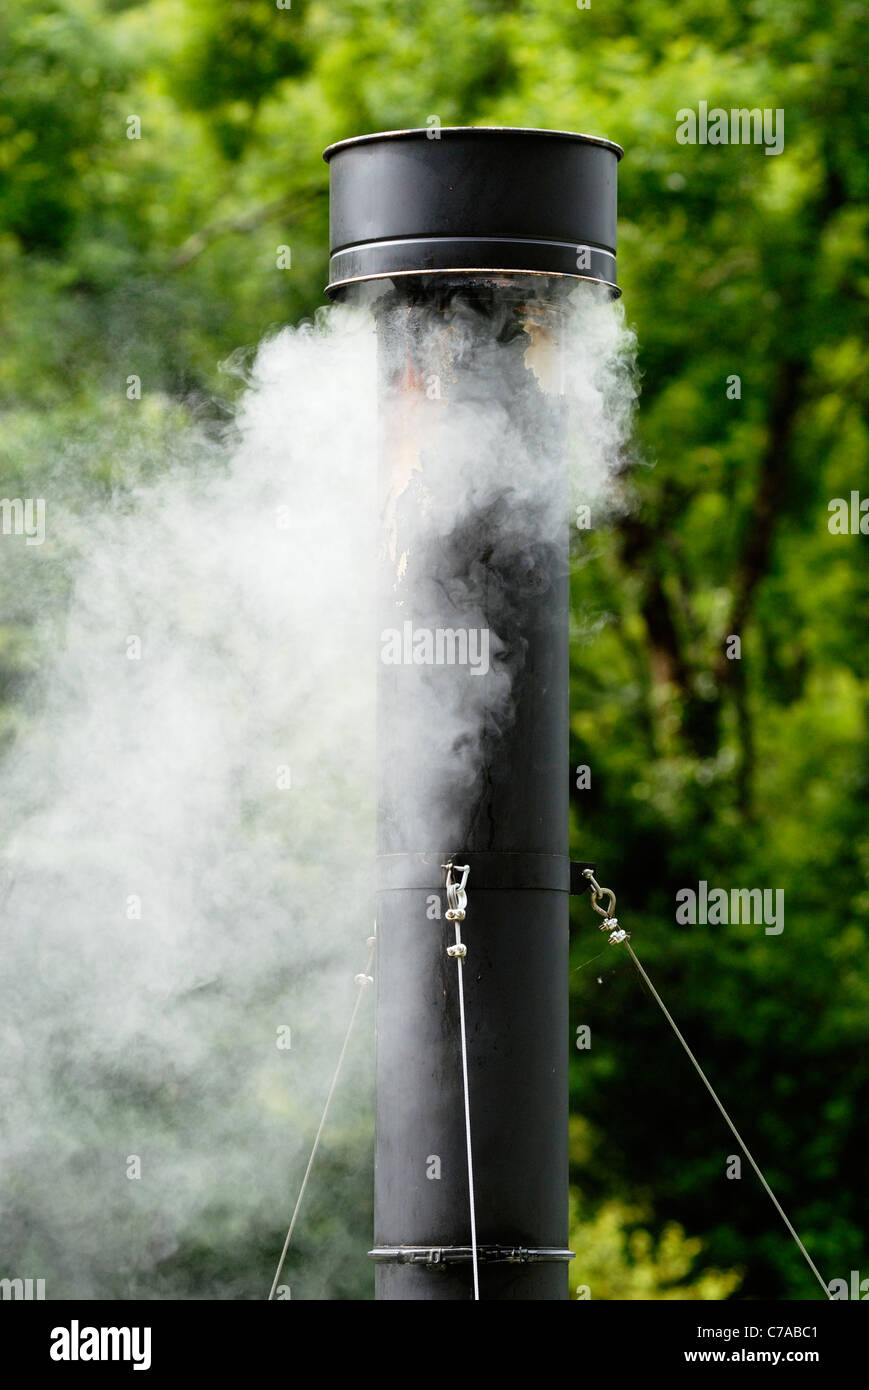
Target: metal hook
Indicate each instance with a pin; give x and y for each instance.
(597, 893)
(456, 895)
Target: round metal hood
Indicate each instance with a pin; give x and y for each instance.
(471, 200)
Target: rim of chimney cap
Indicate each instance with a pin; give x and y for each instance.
(471, 130)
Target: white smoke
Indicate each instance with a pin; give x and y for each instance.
(502, 417)
(201, 754)
(188, 812)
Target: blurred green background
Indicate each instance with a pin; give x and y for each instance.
(157, 256)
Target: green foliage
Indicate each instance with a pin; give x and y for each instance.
(617, 1259)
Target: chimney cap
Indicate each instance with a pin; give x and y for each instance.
(471, 201)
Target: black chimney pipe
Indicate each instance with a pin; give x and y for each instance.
(489, 228)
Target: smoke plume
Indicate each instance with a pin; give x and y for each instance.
(188, 803)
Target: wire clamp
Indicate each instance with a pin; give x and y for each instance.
(458, 901)
(457, 898)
